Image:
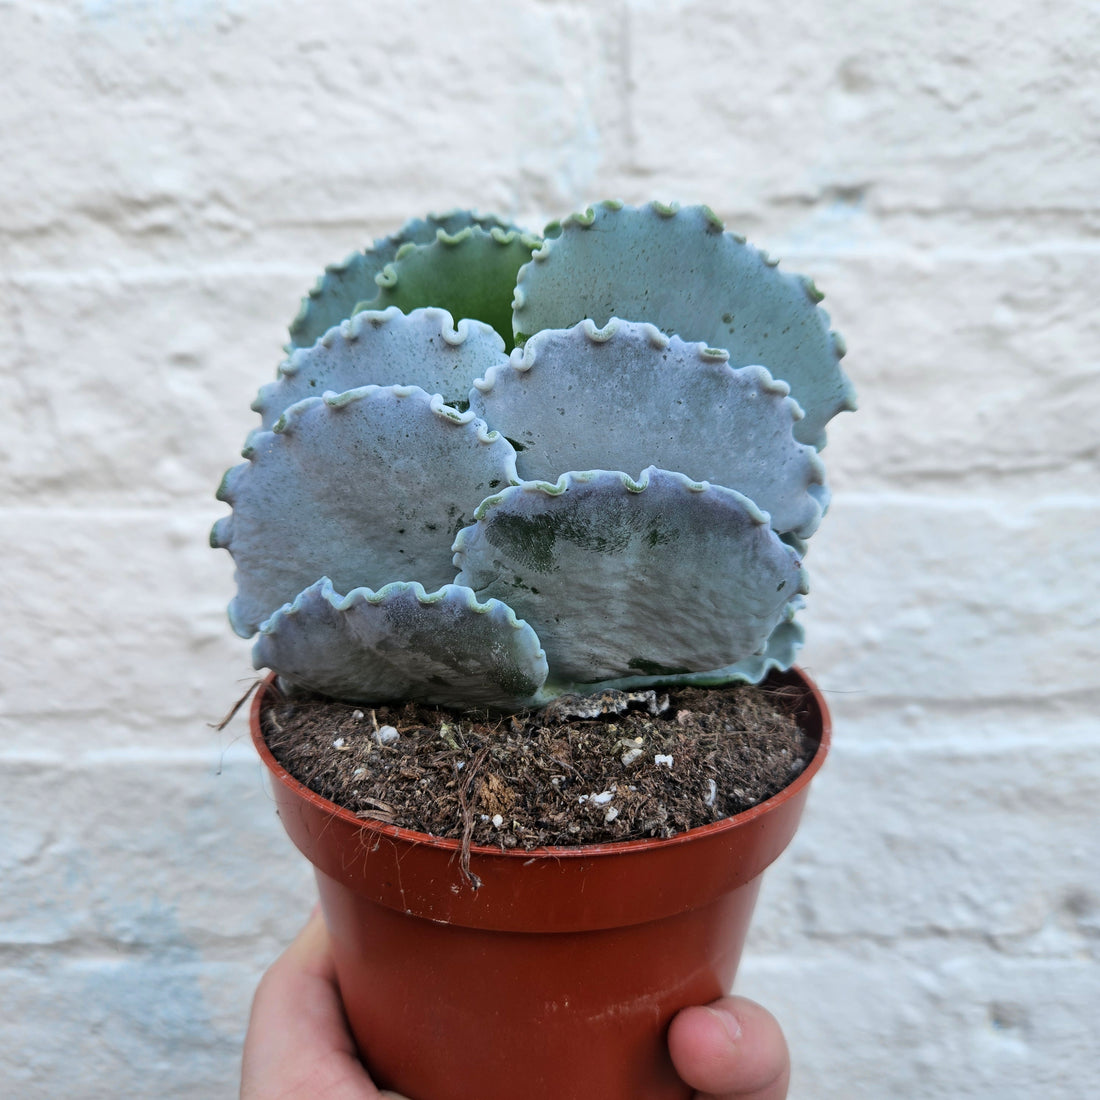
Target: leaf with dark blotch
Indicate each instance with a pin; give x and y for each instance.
(621, 578)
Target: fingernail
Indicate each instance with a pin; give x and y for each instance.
(731, 1025)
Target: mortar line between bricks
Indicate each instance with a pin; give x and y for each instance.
(214, 758)
(964, 502)
(787, 256)
(226, 948)
(69, 511)
(976, 747)
(90, 714)
(1033, 705)
(859, 704)
(1006, 945)
(166, 273)
(220, 948)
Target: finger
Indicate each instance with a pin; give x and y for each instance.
(298, 1042)
(730, 1050)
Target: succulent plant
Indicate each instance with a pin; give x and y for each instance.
(497, 467)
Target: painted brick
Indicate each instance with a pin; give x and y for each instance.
(983, 841)
(188, 855)
(195, 150)
(117, 613)
(174, 175)
(972, 371)
(928, 1019)
(135, 390)
(935, 116)
(955, 597)
(96, 1027)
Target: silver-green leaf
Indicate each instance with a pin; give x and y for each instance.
(366, 487)
(627, 396)
(679, 270)
(656, 577)
(403, 642)
(424, 348)
(779, 652)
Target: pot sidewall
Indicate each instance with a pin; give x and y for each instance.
(558, 976)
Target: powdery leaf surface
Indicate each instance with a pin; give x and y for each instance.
(403, 643)
(621, 578)
(680, 271)
(779, 654)
(626, 396)
(390, 348)
(365, 487)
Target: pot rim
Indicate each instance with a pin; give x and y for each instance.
(816, 703)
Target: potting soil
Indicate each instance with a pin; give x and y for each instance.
(549, 777)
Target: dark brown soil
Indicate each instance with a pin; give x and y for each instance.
(547, 777)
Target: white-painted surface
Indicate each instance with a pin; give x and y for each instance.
(173, 176)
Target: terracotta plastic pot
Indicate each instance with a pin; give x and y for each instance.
(557, 978)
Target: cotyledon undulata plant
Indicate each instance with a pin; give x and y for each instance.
(497, 467)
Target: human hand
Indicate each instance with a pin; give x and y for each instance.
(731, 1049)
(298, 1045)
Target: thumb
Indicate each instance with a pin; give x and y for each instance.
(730, 1050)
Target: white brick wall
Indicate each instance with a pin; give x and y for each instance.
(174, 174)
